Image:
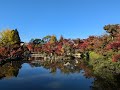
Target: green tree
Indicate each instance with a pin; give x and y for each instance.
(113, 30)
(15, 36)
(37, 41)
(61, 38)
(46, 38)
(31, 41)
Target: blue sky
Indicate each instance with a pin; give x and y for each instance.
(70, 18)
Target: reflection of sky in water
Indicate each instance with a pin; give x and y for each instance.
(33, 78)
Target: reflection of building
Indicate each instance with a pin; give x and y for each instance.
(35, 63)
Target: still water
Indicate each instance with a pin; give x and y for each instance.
(45, 76)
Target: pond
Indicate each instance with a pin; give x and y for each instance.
(37, 75)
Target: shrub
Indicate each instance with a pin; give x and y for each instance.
(94, 58)
(94, 55)
(116, 58)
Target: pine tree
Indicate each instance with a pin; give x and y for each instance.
(15, 37)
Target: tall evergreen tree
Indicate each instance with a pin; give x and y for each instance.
(61, 38)
(16, 37)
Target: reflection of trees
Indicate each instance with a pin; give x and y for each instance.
(53, 66)
(111, 83)
(75, 66)
(88, 73)
(10, 69)
(53, 70)
(103, 80)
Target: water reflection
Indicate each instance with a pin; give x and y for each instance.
(10, 69)
(38, 74)
(113, 83)
(65, 67)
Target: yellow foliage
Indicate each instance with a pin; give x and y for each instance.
(53, 39)
(6, 37)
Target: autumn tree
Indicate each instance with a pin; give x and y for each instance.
(5, 37)
(53, 39)
(9, 37)
(77, 41)
(114, 46)
(116, 58)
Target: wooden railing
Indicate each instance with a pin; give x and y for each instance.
(35, 54)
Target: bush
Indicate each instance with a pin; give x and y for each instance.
(116, 58)
(106, 68)
(94, 57)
